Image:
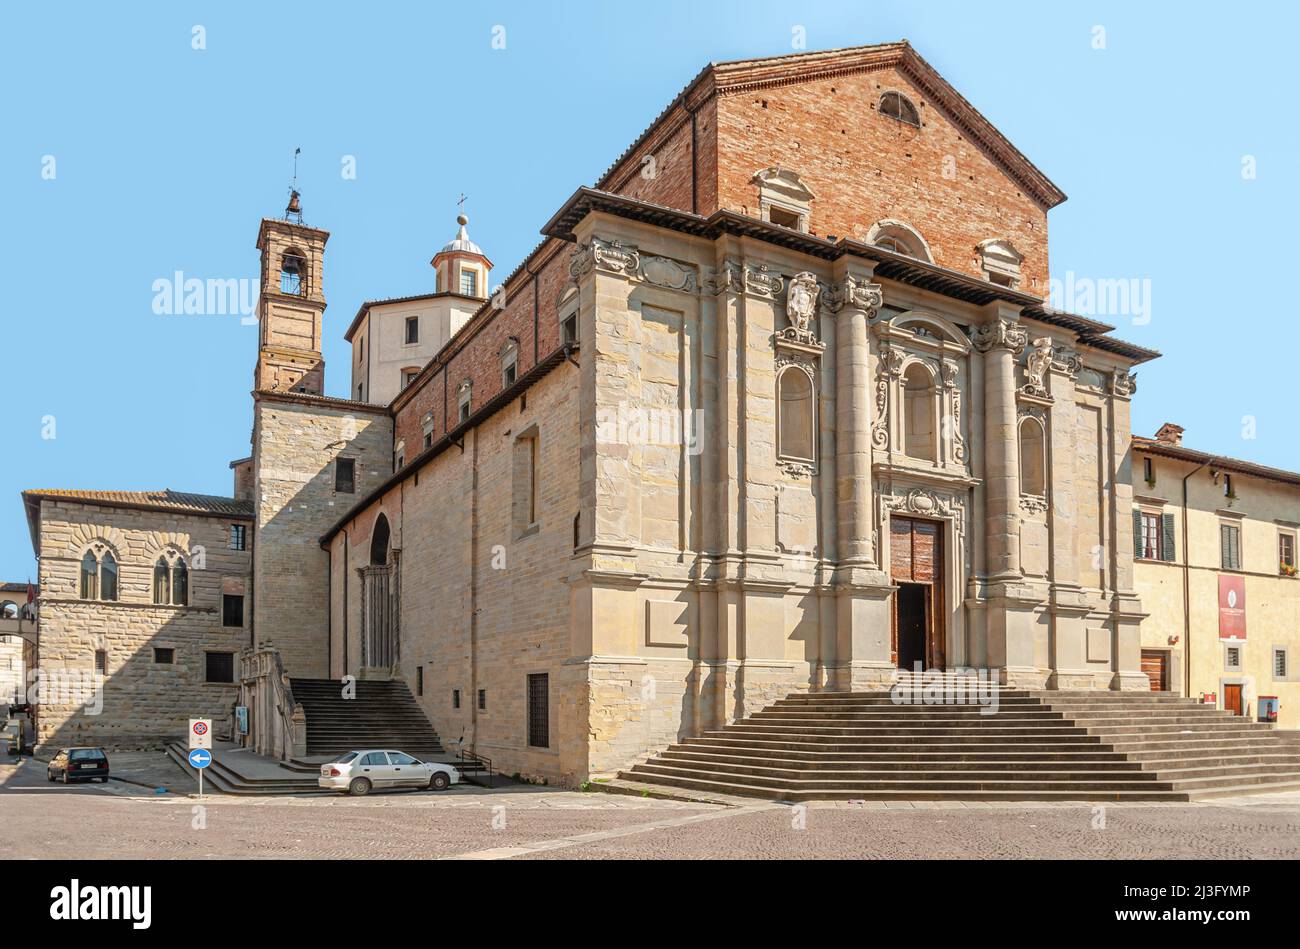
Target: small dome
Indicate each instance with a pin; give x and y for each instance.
(462, 242)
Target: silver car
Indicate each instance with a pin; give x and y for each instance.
(360, 772)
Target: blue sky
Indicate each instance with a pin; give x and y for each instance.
(165, 158)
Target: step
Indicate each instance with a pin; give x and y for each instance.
(893, 764)
(719, 784)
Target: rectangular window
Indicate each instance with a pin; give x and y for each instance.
(482, 700)
(1286, 552)
(508, 373)
(464, 409)
(469, 283)
(428, 439)
(1280, 665)
(238, 538)
(412, 329)
(1149, 471)
(569, 329)
(164, 656)
(361, 348)
(232, 610)
(525, 481)
(345, 475)
(409, 376)
(419, 680)
(783, 217)
(220, 667)
(455, 698)
(101, 661)
(1227, 487)
(1151, 536)
(539, 705)
(1232, 658)
(1230, 546)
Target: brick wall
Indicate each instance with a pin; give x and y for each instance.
(864, 166)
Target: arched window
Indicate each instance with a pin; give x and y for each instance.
(9, 609)
(898, 106)
(918, 413)
(89, 577)
(162, 582)
(379, 542)
(1032, 463)
(171, 581)
(900, 238)
(796, 415)
(293, 275)
(108, 576)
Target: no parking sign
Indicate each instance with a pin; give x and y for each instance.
(201, 733)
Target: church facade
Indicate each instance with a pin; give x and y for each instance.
(776, 406)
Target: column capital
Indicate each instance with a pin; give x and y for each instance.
(854, 294)
(1001, 333)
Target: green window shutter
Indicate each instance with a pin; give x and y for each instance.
(1223, 546)
(1167, 536)
(1137, 535)
(1236, 548)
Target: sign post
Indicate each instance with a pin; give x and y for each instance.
(200, 746)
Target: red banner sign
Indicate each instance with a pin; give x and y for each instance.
(1232, 607)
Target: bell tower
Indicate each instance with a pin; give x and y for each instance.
(291, 304)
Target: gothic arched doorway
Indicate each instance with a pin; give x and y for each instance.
(379, 602)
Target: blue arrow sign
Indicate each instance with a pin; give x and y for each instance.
(200, 758)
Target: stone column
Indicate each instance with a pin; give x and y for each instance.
(1001, 340)
(862, 625)
(854, 302)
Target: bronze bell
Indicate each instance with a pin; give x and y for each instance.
(294, 207)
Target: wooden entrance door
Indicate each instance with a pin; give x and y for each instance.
(1155, 663)
(1232, 698)
(916, 558)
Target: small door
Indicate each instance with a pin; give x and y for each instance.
(1155, 663)
(1232, 698)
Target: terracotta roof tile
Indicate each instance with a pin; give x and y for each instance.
(165, 500)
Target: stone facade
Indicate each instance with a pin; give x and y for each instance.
(129, 695)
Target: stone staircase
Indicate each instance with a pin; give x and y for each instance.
(221, 776)
(384, 714)
(1075, 746)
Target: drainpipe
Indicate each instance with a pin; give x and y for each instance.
(1187, 594)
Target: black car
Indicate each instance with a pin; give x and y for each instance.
(75, 764)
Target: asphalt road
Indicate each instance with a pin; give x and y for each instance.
(38, 819)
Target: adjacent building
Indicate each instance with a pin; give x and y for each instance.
(1215, 565)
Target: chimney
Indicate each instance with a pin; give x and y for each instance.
(1170, 434)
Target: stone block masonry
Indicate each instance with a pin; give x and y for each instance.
(297, 444)
(129, 673)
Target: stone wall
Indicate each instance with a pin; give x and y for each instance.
(140, 702)
(484, 598)
(296, 443)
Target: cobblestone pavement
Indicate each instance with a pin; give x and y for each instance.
(38, 819)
